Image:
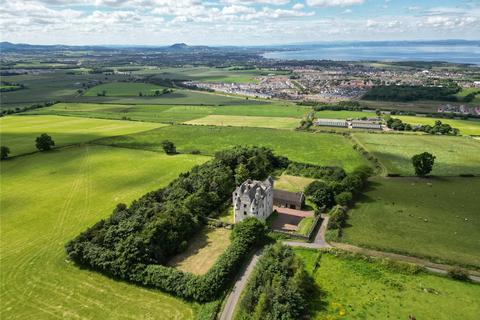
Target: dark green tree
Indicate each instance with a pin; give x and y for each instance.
(169, 147)
(4, 152)
(423, 163)
(241, 174)
(44, 142)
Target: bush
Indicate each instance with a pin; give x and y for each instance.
(169, 147)
(343, 198)
(44, 142)
(338, 217)
(4, 152)
(315, 172)
(458, 274)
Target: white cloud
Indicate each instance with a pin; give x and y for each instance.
(236, 9)
(333, 3)
(298, 6)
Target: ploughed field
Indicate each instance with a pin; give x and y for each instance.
(247, 121)
(454, 155)
(48, 199)
(437, 218)
(354, 288)
(322, 149)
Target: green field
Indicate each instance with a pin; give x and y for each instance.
(124, 89)
(466, 127)
(467, 91)
(207, 74)
(48, 86)
(455, 155)
(351, 288)
(322, 149)
(438, 218)
(170, 113)
(19, 132)
(327, 114)
(177, 97)
(247, 121)
(292, 183)
(49, 198)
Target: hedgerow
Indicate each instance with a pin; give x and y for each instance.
(135, 242)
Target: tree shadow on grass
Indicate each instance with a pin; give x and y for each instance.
(197, 243)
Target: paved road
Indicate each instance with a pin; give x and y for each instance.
(229, 308)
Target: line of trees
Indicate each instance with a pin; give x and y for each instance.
(135, 242)
(341, 191)
(278, 288)
(438, 128)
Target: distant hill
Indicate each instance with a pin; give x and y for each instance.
(179, 46)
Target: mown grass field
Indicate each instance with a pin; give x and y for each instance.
(170, 113)
(455, 155)
(438, 218)
(466, 127)
(49, 198)
(19, 132)
(292, 183)
(247, 121)
(123, 89)
(203, 250)
(351, 288)
(322, 149)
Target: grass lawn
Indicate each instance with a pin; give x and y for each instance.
(19, 132)
(125, 89)
(49, 198)
(466, 127)
(322, 149)
(170, 113)
(203, 250)
(455, 155)
(391, 216)
(247, 121)
(305, 225)
(292, 183)
(227, 216)
(351, 288)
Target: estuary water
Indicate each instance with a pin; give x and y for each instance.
(456, 53)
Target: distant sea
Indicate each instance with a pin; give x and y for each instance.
(455, 52)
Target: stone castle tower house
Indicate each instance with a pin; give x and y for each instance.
(253, 199)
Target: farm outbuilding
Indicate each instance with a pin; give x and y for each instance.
(286, 199)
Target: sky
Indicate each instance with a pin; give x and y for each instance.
(234, 22)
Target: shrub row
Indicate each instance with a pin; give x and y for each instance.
(315, 171)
